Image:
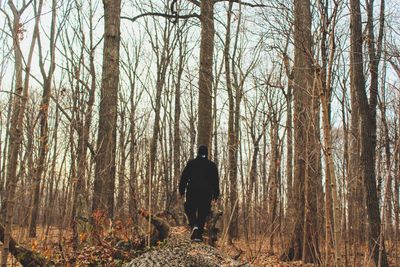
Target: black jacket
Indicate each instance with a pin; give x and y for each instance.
(199, 179)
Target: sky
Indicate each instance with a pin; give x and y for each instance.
(133, 33)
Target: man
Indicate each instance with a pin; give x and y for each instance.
(199, 180)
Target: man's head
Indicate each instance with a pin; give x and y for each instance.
(202, 152)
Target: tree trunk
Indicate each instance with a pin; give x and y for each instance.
(177, 118)
(133, 159)
(290, 202)
(17, 118)
(304, 240)
(43, 114)
(80, 190)
(289, 147)
(161, 74)
(273, 182)
(313, 182)
(355, 182)
(121, 172)
(49, 212)
(4, 158)
(397, 185)
(104, 184)
(346, 172)
(387, 203)
(206, 73)
(323, 78)
(396, 192)
(324, 93)
(368, 132)
(232, 144)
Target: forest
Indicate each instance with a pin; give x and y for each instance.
(103, 102)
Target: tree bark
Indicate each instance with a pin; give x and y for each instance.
(104, 184)
(232, 143)
(302, 243)
(324, 93)
(49, 212)
(273, 181)
(43, 114)
(368, 132)
(387, 208)
(122, 168)
(356, 189)
(206, 73)
(133, 158)
(313, 181)
(177, 118)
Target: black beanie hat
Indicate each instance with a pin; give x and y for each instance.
(202, 151)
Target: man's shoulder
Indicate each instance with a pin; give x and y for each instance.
(212, 163)
(190, 161)
(201, 161)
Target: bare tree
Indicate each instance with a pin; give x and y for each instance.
(323, 84)
(206, 73)
(130, 67)
(304, 241)
(43, 114)
(104, 184)
(367, 109)
(232, 133)
(18, 109)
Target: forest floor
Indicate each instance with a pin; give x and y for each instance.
(56, 245)
(176, 250)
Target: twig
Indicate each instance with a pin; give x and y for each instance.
(229, 223)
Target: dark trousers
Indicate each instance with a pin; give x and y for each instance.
(197, 211)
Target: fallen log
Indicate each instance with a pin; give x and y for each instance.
(26, 257)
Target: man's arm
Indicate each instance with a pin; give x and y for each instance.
(216, 183)
(184, 179)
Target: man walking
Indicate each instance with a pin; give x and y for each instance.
(200, 182)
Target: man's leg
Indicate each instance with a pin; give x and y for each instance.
(204, 211)
(190, 211)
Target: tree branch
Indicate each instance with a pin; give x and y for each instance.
(194, 2)
(395, 67)
(188, 16)
(243, 3)
(13, 8)
(88, 144)
(10, 92)
(167, 16)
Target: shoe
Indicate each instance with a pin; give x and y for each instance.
(195, 232)
(198, 237)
